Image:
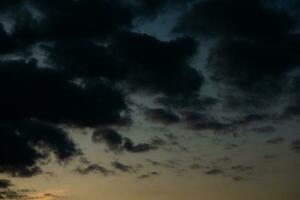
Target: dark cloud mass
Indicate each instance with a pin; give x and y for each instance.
(277, 140)
(141, 60)
(257, 69)
(203, 121)
(92, 60)
(148, 175)
(24, 144)
(7, 43)
(264, 129)
(73, 20)
(112, 138)
(214, 172)
(8, 191)
(94, 168)
(123, 167)
(146, 8)
(90, 53)
(118, 143)
(293, 109)
(242, 169)
(85, 64)
(296, 146)
(8, 4)
(44, 94)
(192, 102)
(248, 18)
(158, 66)
(32, 92)
(5, 183)
(255, 47)
(138, 148)
(162, 116)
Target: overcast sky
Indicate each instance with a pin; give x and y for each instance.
(149, 99)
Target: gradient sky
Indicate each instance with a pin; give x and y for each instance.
(149, 99)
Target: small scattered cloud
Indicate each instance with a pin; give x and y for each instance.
(214, 172)
(296, 146)
(118, 143)
(243, 169)
(148, 175)
(125, 168)
(277, 140)
(94, 168)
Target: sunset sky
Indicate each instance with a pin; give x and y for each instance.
(149, 99)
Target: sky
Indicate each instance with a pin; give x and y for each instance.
(149, 99)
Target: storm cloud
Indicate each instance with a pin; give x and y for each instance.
(255, 48)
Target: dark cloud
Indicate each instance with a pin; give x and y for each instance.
(249, 18)
(123, 167)
(148, 175)
(264, 129)
(252, 119)
(212, 125)
(269, 157)
(93, 63)
(6, 5)
(157, 141)
(138, 148)
(255, 48)
(192, 116)
(150, 8)
(237, 178)
(162, 116)
(8, 44)
(44, 95)
(296, 146)
(277, 140)
(84, 59)
(72, 20)
(140, 61)
(118, 143)
(290, 111)
(51, 195)
(94, 168)
(232, 146)
(32, 92)
(256, 69)
(5, 183)
(202, 121)
(214, 172)
(193, 102)
(12, 194)
(34, 140)
(112, 138)
(171, 136)
(8, 191)
(224, 159)
(195, 166)
(242, 169)
(293, 108)
(169, 144)
(158, 66)
(168, 164)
